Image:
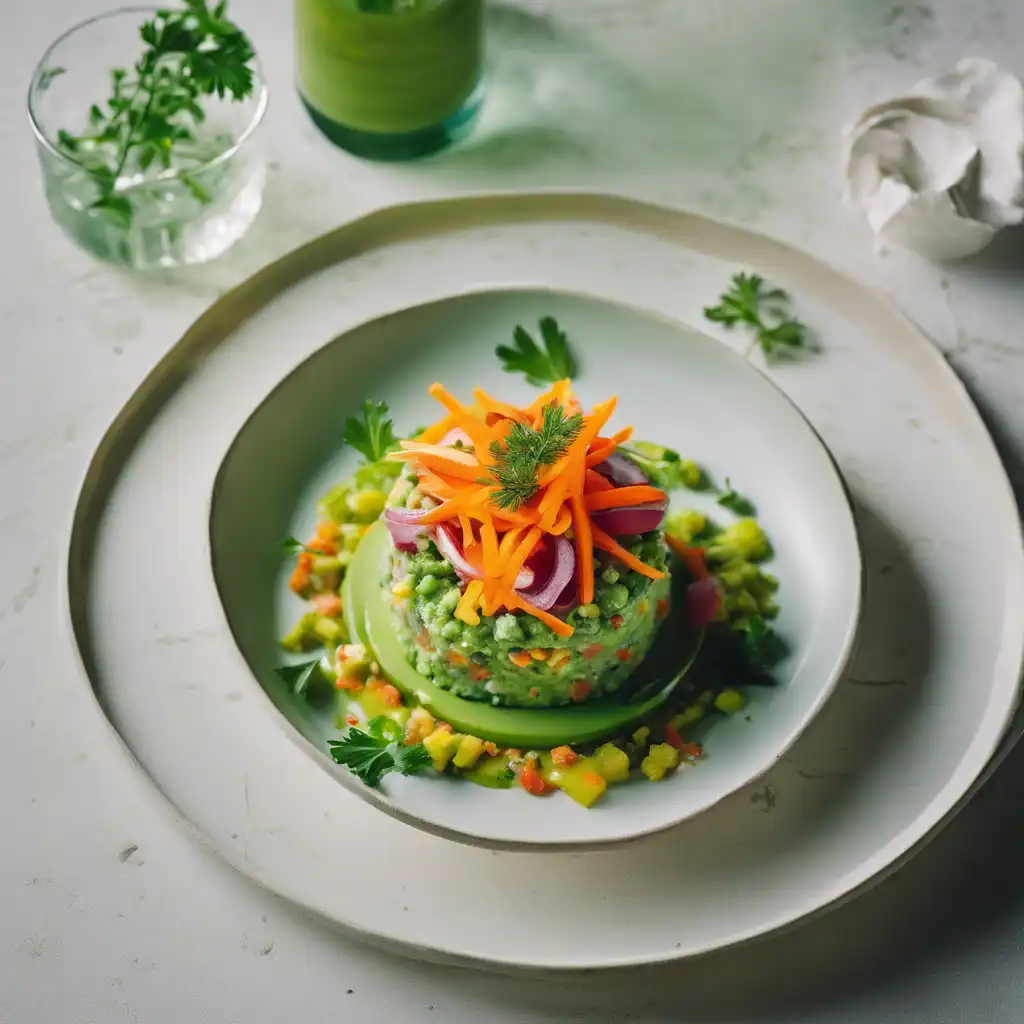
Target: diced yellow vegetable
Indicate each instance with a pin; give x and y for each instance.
(353, 662)
(730, 701)
(441, 746)
(367, 505)
(421, 725)
(330, 631)
(580, 781)
(469, 752)
(642, 735)
(612, 763)
(660, 759)
(403, 588)
(688, 716)
(302, 636)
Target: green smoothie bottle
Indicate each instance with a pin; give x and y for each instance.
(390, 79)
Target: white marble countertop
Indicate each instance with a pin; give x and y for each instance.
(730, 107)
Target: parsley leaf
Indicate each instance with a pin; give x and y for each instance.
(307, 680)
(554, 362)
(525, 451)
(372, 754)
(735, 502)
(291, 546)
(189, 54)
(372, 436)
(749, 301)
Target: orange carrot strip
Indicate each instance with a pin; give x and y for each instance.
(584, 538)
(506, 547)
(435, 486)
(489, 539)
(468, 536)
(478, 431)
(600, 415)
(445, 511)
(603, 447)
(620, 497)
(466, 471)
(592, 482)
(537, 406)
(613, 547)
(691, 557)
(490, 404)
(437, 430)
(514, 600)
(523, 550)
(563, 522)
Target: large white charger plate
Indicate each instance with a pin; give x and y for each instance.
(906, 736)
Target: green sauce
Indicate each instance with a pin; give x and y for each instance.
(388, 66)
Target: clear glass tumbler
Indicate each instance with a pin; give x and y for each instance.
(185, 209)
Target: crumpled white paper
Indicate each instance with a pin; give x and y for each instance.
(941, 169)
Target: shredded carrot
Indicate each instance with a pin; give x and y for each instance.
(489, 539)
(328, 605)
(604, 446)
(492, 405)
(613, 547)
(434, 433)
(498, 541)
(620, 497)
(300, 578)
(691, 557)
(555, 624)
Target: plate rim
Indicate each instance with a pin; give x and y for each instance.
(376, 797)
(431, 217)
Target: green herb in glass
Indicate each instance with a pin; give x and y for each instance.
(190, 53)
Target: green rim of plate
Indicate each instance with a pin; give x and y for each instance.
(369, 619)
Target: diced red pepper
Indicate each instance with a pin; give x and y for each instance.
(328, 605)
(531, 779)
(580, 690)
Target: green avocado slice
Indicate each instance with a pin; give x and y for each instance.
(369, 618)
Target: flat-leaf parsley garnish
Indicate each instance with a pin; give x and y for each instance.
(291, 546)
(526, 451)
(372, 435)
(764, 309)
(152, 110)
(308, 681)
(735, 502)
(373, 754)
(553, 362)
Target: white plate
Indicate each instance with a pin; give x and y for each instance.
(678, 388)
(906, 735)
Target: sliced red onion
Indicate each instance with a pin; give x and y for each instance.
(404, 525)
(563, 568)
(631, 519)
(701, 603)
(569, 598)
(621, 471)
(449, 543)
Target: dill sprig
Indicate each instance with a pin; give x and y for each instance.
(526, 451)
